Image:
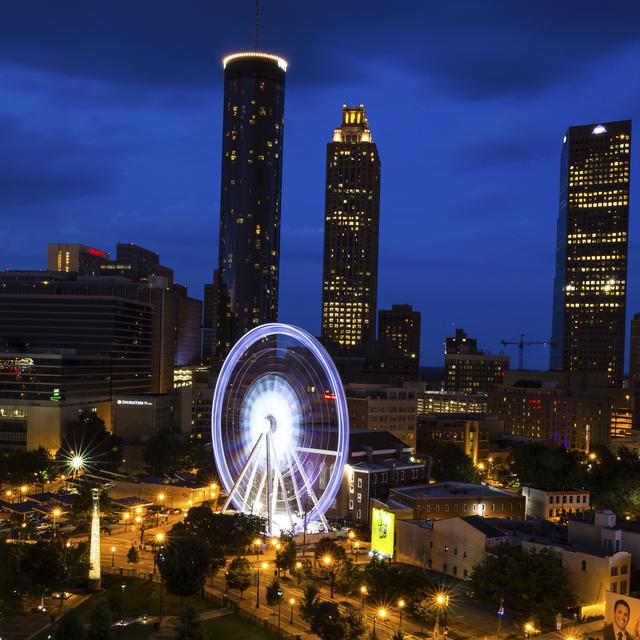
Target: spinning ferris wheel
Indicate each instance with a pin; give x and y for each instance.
(280, 427)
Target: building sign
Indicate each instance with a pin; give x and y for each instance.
(382, 530)
(55, 396)
(621, 617)
(134, 403)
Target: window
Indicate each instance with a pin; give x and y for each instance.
(570, 499)
(623, 570)
(584, 565)
(623, 586)
(351, 505)
(431, 545)
(455, 551)
(550, 513)
(359, 497)
(474, 506)
(464, 553)
(550, 499)
(493, 506)
(446, 507)
(350, 488)
(465, 507)
(564, 499)
(465, 574)
(359, 516)
(446, 548)
(455, 507)
(428, 508)
(614, 587)
(557, 499)
(359, 483)
(444, 567)
(437, 507)
(614, 571)
(455, 570)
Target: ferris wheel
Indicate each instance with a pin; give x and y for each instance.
(280, 427)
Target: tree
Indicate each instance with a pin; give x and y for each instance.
(41, 568)
(76, 563)
(286, 556)
(133, 557)
(9, 569)
(451, 463)
(354, 626)
(531, 583)
(398, 635)
(310, 599)
(101, 623)
(539, 465)
(327, 621)
(87, 436)
(188, 628)
(274, 593)
(347, 576)
(218, 559)
(166, 453)
(184, 564)
(25, 467)
(71, 628)
(385, 583)
(327, 547)
(239, 575)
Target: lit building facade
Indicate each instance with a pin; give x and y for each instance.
(250, 199)
(450, 402)
(400, 326)
(352, 214)
(590, 286)
(474, 372)
(634, 369)
(76, 258)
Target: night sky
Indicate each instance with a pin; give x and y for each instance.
(111, 119)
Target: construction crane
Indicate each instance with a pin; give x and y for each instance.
(521, 345)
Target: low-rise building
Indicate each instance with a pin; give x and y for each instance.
(555, 504)
(438, 402)
(377, 461)
(452, 546)
(471, 432)
(453, 499)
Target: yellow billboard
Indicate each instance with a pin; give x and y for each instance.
(382, 530)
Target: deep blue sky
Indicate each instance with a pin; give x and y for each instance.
(111, 116)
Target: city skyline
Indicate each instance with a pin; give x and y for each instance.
(470, 180)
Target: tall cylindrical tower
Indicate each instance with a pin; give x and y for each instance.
(249, 251)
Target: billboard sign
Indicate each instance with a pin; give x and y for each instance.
(382, 530)
(621, 617)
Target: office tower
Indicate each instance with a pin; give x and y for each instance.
(352, 214)
(76, 258)
(210, 320)
(590, 286)
(188, 336)
(460, 343)
(250, 199)
(400, 326)
(634, 368)
(474, 372)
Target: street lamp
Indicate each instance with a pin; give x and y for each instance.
(298, 567)
(113, 557)
(279, 592)
(256, 543)
(23, 490)
(158, 541)
(292, 601)
(56, 514)
(126, 517)
(265, 566)
(442, 602)
(363, 591)
(356, 549)
(382, 614)
(328, 562)
(529, 629)
(160, 500)
(401, 606)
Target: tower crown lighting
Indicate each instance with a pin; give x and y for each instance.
(282, 63)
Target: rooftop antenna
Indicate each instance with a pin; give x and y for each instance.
(255, 40)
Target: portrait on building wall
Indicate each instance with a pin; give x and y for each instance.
(622, 617)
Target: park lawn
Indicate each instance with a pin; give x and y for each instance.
(140, 597)
(233, 627)
(132, 632)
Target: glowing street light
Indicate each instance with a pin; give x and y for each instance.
(441, 601)
(380, 613)
(298, 567)
(363, 592)
(257, 543)
(292, 601)
(77, 462)
(401, 606)
(328, 562)
(113, 557)
(265, 566)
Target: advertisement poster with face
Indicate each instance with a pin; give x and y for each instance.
(621, 617)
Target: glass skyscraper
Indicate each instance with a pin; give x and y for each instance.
(352, 216)
(249, 251)
(590, 286)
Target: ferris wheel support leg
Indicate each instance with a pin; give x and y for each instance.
(295, 484)
(252, 479)
(237, 483)
(310, 491)
(268, 485)
(283, 488)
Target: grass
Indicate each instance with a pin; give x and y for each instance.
(132, 632)
(140, 597)
(234, 627)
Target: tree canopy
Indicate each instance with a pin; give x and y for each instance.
(531, 583)
(184, 563)
(239, 575)
(451, 463)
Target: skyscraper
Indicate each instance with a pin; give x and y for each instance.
(249, 251)
(400, 326)
(352, 214)
(590, 286)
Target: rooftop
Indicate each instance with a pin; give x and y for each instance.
(454, 489)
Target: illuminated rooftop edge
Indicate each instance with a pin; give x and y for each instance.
(282, 63)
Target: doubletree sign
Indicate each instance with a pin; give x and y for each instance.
(55, 396)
